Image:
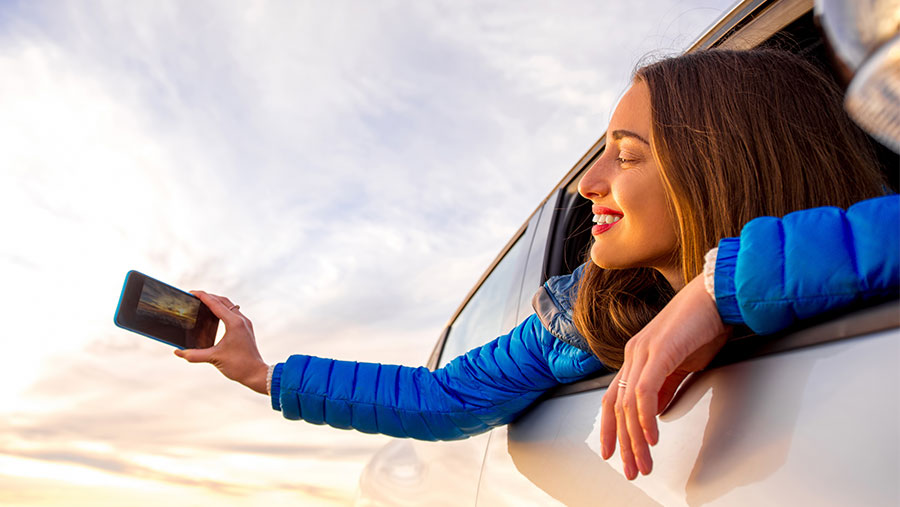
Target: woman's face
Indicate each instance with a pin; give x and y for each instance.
(634, 223)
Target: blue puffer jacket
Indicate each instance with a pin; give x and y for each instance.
(810, 262)
(778, 271)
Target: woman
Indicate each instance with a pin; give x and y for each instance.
(690, 157)
(769, 139)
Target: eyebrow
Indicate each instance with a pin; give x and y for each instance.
(619, 134)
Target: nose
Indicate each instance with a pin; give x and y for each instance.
(595, 182)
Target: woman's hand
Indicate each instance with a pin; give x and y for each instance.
(681, 339)
(236, 354)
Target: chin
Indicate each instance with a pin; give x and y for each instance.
(603, 260)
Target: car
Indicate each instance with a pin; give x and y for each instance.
(809, 417)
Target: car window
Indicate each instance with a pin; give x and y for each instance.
(535, 274)
(569, 235)
(481, 320)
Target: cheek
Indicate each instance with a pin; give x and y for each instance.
(663, 218)
(663, 224)
(652, 231)
(658, 211)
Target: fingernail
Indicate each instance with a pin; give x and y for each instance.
(645, 467)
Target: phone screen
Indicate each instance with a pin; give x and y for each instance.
(162, 312)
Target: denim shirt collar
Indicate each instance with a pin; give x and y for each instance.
(553, 303)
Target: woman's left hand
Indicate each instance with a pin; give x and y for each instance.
(682, 338)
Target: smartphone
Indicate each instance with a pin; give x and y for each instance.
(164, 313)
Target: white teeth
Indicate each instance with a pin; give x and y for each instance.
(606, 219)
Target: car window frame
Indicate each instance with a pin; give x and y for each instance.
(524, 233)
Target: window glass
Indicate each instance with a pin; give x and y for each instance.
(534, 275)
(482, 318)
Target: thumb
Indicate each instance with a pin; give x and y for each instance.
(195, 355)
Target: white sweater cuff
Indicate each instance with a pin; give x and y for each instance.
(269, 379)
(709, 272)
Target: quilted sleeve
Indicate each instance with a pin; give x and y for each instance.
(809, 262)
(486, 387)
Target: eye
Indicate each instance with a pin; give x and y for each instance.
(627, 156)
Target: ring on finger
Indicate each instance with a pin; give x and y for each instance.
(234, 307)
(623, 384)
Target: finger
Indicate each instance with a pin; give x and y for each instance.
(639, 447)
(226, 302)
(216, 306)
(648, 387)
(195, 355)
(628, 464)
(608, 419)
(233, 308)
(625, 452)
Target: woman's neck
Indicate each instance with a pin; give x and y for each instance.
(673, 276)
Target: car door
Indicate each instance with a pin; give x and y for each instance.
(811, 424)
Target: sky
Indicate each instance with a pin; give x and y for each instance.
(345, 171)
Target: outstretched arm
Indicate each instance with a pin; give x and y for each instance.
(486, 387)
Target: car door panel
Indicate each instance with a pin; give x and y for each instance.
(780, 426)
(411, 473)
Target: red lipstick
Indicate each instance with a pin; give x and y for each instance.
(602, 210)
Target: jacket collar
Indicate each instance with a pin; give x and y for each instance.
(553, 303)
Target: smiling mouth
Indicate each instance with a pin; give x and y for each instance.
(604, 221)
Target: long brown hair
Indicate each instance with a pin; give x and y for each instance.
(736, 135)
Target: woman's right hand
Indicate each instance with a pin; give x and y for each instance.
(682, 338)
(236, 354)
